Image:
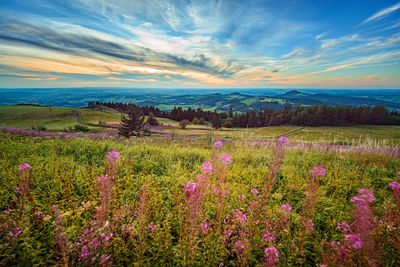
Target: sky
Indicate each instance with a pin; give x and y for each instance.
(200, 44)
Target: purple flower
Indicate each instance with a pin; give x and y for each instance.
(271, 254)
(344, 226)
(152, 227)
(395, 185)
(103, 178)
(206, 168)
(318, 171)
(218, 144)
(286, 207)
(309, 225)
(355, 241)
(113, 155)
(239, 245)
(284, 140)
(254, 191)
(204, 226)
(366, 196)
(24, 166)
(225, 159)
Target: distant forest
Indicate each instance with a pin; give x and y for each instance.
(322, 115)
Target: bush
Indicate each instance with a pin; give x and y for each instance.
(184, 123)
(152, 120)
(195, 120)
(80, 128)
(202, 121)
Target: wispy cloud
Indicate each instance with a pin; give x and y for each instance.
(382, 13)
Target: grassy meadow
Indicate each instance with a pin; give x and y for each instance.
(185, 198)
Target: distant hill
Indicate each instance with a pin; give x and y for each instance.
(240, 100)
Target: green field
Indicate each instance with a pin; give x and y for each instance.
(58, 119)
(150, 215)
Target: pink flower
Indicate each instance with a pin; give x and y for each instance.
(38, 213)
(318, 171)
(366, 196)
(225, 159)
(309, 225)
(239, 245)
(240, 216)
(46, 217)
(284, 140)
(152, 227)
(286, 207)
(190, 187)
(204, 226)
(103, 178)
(395, 185)
(24, 166)
(344, 226)
(254, 191)
(268, 236)
(199, 177)
(218, 144)
(241, 197)
(355, 241)
(113, 155)
(271, 255)
(206, 168)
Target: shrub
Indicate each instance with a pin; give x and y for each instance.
(184, 123)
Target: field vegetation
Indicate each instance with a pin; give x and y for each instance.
(162, 201)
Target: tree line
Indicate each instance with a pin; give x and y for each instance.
(319, 115)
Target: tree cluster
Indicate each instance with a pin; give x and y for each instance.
(322, 115)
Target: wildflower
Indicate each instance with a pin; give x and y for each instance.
(103, 178)
(271, 255)
(366, 196)
(38, 213)
(24, 166)
(268, 236)
(204, 226)
(309, 225)
(206, 168)
(199, 177)
(395, 185)
(239, 245)
(283, 140)
(354, 240)
(241, 197)
(113, 155)
(218, 144)
(318, 171)
(344, 226)
(254, 191)
(7, 212)
(46, 217)
(225, 159)
(286, 207)
(335, 243)
(240, 216)
(221, 264)
(152, 227)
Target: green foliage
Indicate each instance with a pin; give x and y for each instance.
(65, 172)
(184, 123)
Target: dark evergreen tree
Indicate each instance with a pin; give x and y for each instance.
(216, 122)
(132, 123)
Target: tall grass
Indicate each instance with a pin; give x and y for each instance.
(187, 202)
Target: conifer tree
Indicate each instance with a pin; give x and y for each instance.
(132, 123)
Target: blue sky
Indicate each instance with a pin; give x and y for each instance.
(200, 44)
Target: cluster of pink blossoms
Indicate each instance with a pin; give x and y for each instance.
(395, 186)
(254, 191)
(225, 159)
(206, 168)
(40, 214)
(113, 155)
(103, 178)
(283, 140)
(354, 241)
(218, 144)
(24, 166)
(344, 226)
(318, 171)
(152, 227)
(271, 256)
(365, 196)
